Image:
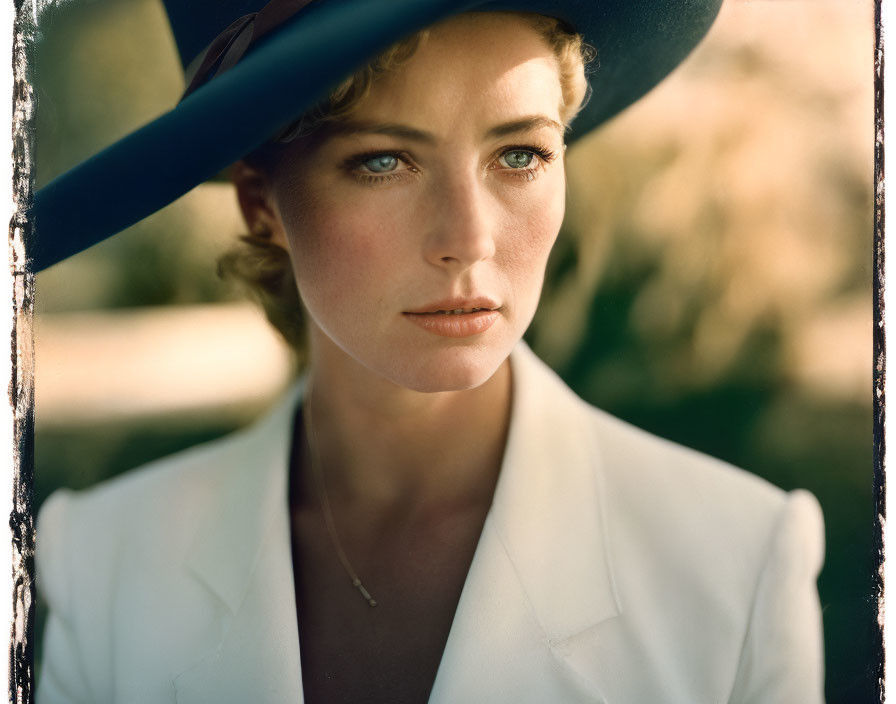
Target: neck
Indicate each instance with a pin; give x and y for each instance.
(384, 445)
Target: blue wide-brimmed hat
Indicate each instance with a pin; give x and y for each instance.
(253, 67)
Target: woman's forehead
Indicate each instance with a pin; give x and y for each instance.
(480, 66)
(477, 43)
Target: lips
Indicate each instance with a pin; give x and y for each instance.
(456, 306)
(457, 311)
(456, 317)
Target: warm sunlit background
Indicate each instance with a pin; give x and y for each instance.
(712, 283)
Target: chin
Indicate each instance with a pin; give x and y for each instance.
(453, 369)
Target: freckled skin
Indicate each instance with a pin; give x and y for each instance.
(364, 253)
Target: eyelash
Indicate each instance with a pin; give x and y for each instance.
(354, 163)
(543, 156)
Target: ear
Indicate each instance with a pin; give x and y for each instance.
(253, 192)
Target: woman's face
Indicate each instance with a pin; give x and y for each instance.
(444, 190)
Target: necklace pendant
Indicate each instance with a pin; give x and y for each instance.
(325, 502)
(366, 594)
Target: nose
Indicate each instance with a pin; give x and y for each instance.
(463, 223)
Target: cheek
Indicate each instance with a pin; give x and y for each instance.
(535, 228)
(343, 255)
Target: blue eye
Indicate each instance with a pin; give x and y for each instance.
(381, 164)
(516, 159)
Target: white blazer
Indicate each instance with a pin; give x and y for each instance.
(613, 567)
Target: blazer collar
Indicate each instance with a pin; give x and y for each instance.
(548, 505)
(541, 580)
(243, 556)
(251, 493)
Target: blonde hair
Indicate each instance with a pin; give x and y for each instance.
(264, 268)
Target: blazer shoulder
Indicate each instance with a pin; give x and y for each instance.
(189, 479)
(184, 474)
(152, 509)
(641, 471)
(121, 563)
(663, 472)
(713, 525)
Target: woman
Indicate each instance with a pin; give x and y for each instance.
(432, 514)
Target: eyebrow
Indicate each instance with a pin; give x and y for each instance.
(394, 129)
(524, 124)
(350, 128)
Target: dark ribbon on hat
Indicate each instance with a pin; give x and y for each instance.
(231, 45)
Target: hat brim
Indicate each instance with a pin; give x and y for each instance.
(638, 43)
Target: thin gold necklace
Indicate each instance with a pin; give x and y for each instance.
(325, 502)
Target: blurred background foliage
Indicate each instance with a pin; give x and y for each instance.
(712, 282)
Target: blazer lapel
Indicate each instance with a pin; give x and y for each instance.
(541, 582)
(258, 658)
